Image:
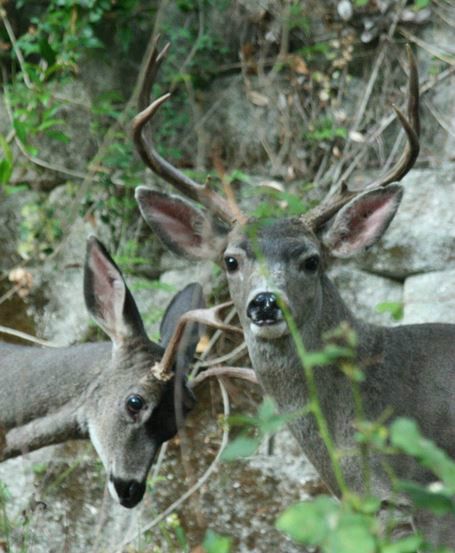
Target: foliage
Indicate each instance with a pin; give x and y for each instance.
(352, 524)
(395, 309)
(255, 429)
(214, 543)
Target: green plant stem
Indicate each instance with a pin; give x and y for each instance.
(315, 406)
(360, 416)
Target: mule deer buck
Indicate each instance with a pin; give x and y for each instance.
(408, 369)
(119, 393)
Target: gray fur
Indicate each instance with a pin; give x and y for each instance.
(410, 369)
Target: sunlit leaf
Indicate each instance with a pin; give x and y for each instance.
(353, 534)
(240, 447)
(215, 543)
(438, 502)
(405, 435)
(309, 522)
(410, 544)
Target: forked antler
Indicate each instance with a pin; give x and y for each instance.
(209, 316)
(318, 216)
(210, 199)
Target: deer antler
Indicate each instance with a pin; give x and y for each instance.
(411, 125)
(209, 316)
(215, 203)
(244, 373)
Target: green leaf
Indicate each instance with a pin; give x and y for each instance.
(421, 4)
(438, 502)
(309, 522)
(242, 446)
(215, 543)
(406, 436)
(353, 534)
(58, 135)
(410, 544)
(396, 309)
(49, 123)
(21, 130)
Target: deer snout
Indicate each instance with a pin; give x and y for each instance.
(129, 492)
(263, 309)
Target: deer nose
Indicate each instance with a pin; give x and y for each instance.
(130, 492)
(263, 309)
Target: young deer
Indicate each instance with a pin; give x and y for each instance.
(408, 369)
(120, 393)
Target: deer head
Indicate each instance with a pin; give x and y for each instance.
(131, 409)
(292, 250)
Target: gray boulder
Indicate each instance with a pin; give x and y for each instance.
(421, 238)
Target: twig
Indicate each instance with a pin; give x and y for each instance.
(376, 132)
(202, 480)
(233, 355)
(10, 293)
(17, 50)
(213, 340)
(450, 129)
(28, 337)
(430, 48)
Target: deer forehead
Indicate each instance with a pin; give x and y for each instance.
(274, 240)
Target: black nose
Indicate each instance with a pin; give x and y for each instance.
(130, 492)
(263, 309)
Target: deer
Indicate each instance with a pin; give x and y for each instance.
(274, 266)
(128, 395)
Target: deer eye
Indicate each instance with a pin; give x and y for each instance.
(310, 264)
(231, 263)
(134, 404)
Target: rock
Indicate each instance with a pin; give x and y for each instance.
(430, 298)
(241, 123)
(421, 238)
(363, 292)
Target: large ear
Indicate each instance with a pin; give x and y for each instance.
(362, 222)
(184, 229)
(107, 297)
(187, 299)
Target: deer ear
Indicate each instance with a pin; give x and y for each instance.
(187, 299)
(362, 222)
(107, 297)
(184, 229)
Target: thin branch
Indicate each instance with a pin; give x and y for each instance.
(376, 132)
(438, 53)
(17, 50)
(25, 336)
(233, 355)
(7, 295)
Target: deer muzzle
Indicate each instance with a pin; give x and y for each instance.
(266, 317)
(129, 492)
(263, 309)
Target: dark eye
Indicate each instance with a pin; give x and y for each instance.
(134, 404)
(310, 264)
(231, 263)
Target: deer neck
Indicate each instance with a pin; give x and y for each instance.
(36, 382)
(277, 363)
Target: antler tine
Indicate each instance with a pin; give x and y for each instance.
(150, 73)
(209, 316)
(411, 125)
(244, 373)
(216, 204)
